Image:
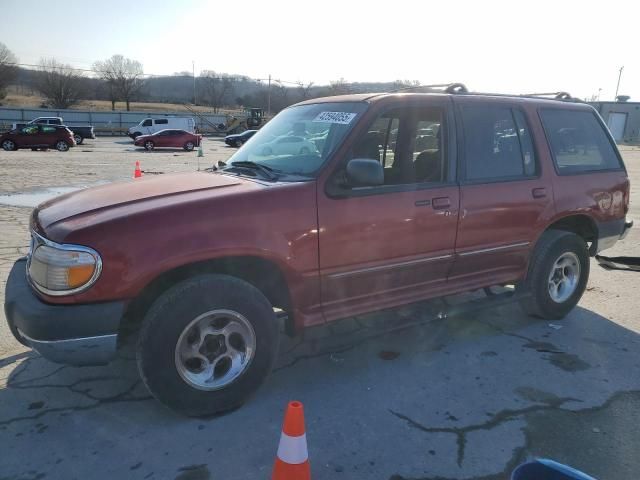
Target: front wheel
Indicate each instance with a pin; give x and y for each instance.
(9, 145)
(558, 275)
(238, 143)
(207, 344)
(62, 146)
(78, 139)
(149, 145)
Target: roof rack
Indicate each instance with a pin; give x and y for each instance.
(555, 95)
(439, 87)
(460, 88)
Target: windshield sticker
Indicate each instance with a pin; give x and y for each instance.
(343, 118)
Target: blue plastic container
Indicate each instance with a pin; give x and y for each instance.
(545, 469)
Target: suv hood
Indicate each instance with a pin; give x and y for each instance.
(93, 200)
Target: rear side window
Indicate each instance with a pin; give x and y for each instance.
(497, 144)
(578, 141)
(162, 121)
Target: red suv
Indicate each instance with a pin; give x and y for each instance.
(38, 136)
(403, 197)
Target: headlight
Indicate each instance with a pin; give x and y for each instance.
(56, 269)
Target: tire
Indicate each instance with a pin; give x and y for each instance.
(189, 146)
(62, 146)
(238, 143)
(169, 324)
(557, 255)
(35, 149)
(9, 145)
(149, 145)
(78, 139)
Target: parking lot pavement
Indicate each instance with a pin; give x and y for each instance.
(399, 394)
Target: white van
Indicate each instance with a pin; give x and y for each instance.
(153, 125)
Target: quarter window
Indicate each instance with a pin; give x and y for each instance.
(497, 144)
(162, 121)
(578, 141)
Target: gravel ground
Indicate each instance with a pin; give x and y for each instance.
(396, 395)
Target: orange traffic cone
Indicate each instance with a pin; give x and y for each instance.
(137, 173)
(292, 461)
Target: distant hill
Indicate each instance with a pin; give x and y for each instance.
(224, 92)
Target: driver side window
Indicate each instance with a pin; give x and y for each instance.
(147, 122)
(408, 143)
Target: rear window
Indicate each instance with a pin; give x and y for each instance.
(578, 141)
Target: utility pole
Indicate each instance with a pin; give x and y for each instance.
(193, 66)
(269, 98)
(618, 86)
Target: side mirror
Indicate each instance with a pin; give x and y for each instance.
(364, 172)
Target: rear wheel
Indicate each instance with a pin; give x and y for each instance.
(558, 275)
(62, 146)
(189, 146)
(9, 145)
(78, 139)
(149, 145)
(207, 344)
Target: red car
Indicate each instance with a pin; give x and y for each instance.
(169, 139)
(38, 136)
(206, 264)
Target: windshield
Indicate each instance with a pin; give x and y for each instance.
(300, 139)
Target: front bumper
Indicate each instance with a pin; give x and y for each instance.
(70, 334)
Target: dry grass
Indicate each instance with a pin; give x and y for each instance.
(14, 99)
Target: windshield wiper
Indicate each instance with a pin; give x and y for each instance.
(268, 172)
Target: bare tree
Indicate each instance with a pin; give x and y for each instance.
(123, 76)
(305, 90)
(59, 84)
(339, 87)
(217, 88)
(8, 70)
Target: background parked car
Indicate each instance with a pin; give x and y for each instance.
(239, 139)
(169, 139)
(38, 136)
(80, 132)
(289, 145)
(153, 125)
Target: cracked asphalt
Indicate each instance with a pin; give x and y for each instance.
(401, 394)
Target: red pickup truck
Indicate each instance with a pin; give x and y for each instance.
(359, 203)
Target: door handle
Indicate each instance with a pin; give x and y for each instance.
(540, 192)
(440, 203)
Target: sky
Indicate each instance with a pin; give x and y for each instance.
(491, 46)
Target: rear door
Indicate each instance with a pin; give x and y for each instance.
(48, 135)
(506, 197)
(386, 245)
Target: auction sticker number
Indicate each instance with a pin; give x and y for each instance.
(343, 118)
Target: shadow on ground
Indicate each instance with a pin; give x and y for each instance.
(399, 394)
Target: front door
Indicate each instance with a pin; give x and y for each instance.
(505, 196)
(387, 245)
(28, 136)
